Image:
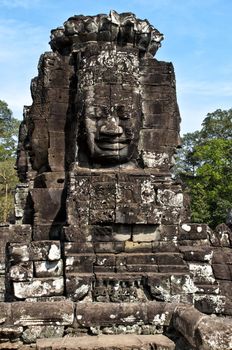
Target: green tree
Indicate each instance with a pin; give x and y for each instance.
(8, 143)
(205, 164)
(8, 181)
(9, 127)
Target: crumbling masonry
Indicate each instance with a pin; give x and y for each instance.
(102, 243)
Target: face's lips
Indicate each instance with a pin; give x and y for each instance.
(112, 140)
(116, 146)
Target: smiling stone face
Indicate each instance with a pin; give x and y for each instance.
(112, 123)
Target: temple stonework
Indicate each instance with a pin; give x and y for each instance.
(103, 243)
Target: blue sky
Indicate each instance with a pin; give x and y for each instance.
(198, 41)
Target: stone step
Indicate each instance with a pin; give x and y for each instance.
(108, 342)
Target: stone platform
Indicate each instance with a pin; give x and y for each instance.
(108, 342)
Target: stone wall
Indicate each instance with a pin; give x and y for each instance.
(102, 242)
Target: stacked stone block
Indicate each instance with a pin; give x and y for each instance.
(102, 243)
(36, 269)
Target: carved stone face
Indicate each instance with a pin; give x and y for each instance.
(112, 123)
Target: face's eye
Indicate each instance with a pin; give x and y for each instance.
(125, 116)
(104, 111)
(99, 112)
(122, 113)
(120, 110)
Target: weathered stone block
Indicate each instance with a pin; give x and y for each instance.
(109, 342)
(45, 250)
(145, 233)
(169, 198)
(2, 288)
(185, 320)
(201, 273)
(227, 308)
(225, 287)
(223, 234)
(101, 233)
(222, 272)
(47, 204)
(182, 284)
(5, 313)
(173, 269)
(16, 233)
(171, 216)
(222, 256)
(111, 313)
(43, 313)
(213, 334)
(103, 195)
(138, 247)
(40, 250)
(127, 193)
(158, 313)
(157, 159)
(210, 304)
(102, 216)
(169, 232)
(39, 287)
(10, 333)
(103, 268)
(80, 263)
(56, 122)
(71, 248)
(198, 254)
(21, 272)
(160, 287)
(134, 214)
(165, 247)
(32, 333)
(212, 288)
(19, 252)
(45, 232)
(48, 268)
(78, 285)
(23, 213)
(109, 247)
(131, 215)
(57, 140)
(105, 260)
(78, 233)
(56, 162)
(193, 231)
(169, 259)
(136, 259)
(162, 137)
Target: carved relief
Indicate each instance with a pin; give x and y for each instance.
(103, 242)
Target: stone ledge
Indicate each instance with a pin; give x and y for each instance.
(42, 313)
(102, 314)
(203, 332)
(108, 342)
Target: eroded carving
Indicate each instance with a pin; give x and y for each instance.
(104, 224)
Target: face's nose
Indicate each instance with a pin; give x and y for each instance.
(111, 127)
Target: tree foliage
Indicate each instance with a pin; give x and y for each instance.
(8, 143)
(8, 181)
(9, 127)
(205, 164)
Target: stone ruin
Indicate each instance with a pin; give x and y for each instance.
(103, 254)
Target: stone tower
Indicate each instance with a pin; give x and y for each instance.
(102, 242)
